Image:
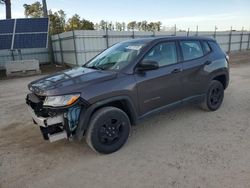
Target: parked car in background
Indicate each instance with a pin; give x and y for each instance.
(126, 83)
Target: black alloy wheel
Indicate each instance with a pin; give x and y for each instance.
(108, 130)
(214, 96)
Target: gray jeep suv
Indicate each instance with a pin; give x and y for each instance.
(126, 83)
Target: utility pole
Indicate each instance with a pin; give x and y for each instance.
(8, 9)
(45, 14)
(45, 10)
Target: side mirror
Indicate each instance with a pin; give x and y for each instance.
(147, 65)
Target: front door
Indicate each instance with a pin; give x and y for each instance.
(160, 87)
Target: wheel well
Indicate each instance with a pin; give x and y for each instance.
(222, 79)
(121, 104)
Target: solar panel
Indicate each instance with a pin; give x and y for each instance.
(6, 26)
(28, 33)
(30, 41)
(5, 42)
(32, 25)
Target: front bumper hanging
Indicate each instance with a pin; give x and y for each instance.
(45, 122)
(54, 124)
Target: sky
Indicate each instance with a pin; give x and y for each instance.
(184, 13)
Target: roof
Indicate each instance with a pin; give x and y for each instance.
(151, 39)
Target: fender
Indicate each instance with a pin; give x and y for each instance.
(221, 72)
(86, 113)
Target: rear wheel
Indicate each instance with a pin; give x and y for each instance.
(214, 96)
(108, 130)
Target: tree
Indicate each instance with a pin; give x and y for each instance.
(7, 8)
(151, 26)
(132, 25)
(110, 26)
(118, 26)
(158, 25)
(87, 25)
(103, 25)
(138, 26)
(57, 21)
(96, 27)
(123, 26)
(75, 23)
(144, 25)
(34, 10)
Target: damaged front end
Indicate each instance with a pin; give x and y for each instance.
(57, 116)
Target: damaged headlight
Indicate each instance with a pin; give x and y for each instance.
(59, 101)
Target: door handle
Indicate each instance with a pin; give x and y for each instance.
(176, 71)
(208, 62)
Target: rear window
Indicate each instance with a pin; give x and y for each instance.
(191, 50)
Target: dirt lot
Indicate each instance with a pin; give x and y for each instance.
(187, 147)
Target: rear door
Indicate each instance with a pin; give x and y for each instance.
(160, 87)
(195, 56)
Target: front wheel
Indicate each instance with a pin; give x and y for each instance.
(214, 96)
(108, 130)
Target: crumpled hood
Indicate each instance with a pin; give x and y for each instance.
(68, 81)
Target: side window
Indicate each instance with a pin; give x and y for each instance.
(206, 47)
(163, 53)
(191, 50)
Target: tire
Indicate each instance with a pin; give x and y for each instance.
(108, 130)
(214, 96)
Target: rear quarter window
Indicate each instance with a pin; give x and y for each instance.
(215, 46)
(216, 49)
(191, 50)
(206, 47)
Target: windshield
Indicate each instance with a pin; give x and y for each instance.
(117, 56)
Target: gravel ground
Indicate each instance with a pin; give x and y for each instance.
(186, 147)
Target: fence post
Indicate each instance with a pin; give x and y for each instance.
(12, 55)
(215, 32)
(74, 40)
(61, 51)
(51, 51)
(230, 40)
(197, 28)
(188, 32)
(84, 50)
(175, 30)
(241, 38)
(54, 53)
(248, 42)
(107, 37)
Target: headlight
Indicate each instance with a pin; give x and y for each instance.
(63, 100)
